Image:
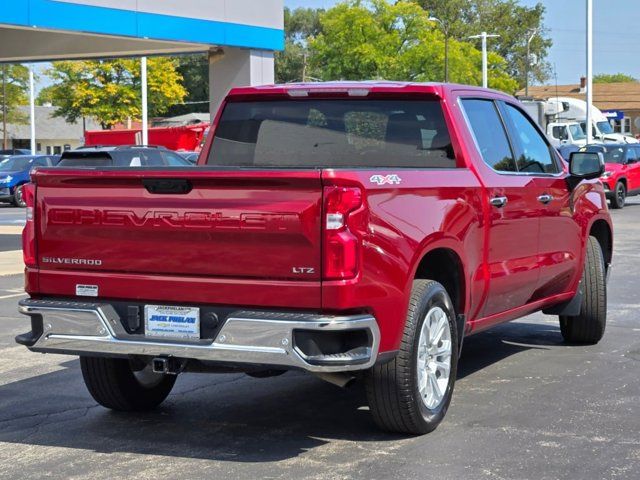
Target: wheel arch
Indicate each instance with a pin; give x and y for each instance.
(601, 230)
(445, 265)
(18, 184)
(623, 180)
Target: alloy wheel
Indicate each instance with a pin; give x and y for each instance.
(434, 358)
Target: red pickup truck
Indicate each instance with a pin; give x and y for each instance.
(352, 230)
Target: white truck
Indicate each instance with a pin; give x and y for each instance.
(560, 116)
(601, 128)
(559, 130)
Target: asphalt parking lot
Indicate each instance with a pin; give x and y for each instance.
(526, 407)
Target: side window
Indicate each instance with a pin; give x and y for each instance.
(632, 155)
(173, 160)
(532, 150)
(152, 158)
(560, 133)
(490, 135)
(42, 162)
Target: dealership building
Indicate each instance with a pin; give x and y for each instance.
(240, 36)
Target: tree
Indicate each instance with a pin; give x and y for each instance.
(194, 69)
(514, 23)
(301, 25)
(15, 84)
(614, 78)
(110, 90)
(378, 40)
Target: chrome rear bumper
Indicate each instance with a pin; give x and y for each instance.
(247, 337)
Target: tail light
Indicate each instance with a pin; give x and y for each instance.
(341, 246)
(29, 232)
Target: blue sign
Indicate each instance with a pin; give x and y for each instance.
(613, 114)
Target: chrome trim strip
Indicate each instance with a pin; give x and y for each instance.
(247, 337)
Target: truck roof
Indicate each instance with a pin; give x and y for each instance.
(358, 89)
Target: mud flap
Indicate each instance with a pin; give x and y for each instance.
(570, 308)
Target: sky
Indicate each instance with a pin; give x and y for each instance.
(615, 25)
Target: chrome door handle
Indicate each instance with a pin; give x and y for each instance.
(498, 202)
(546, 198)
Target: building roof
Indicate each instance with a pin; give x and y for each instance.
(49, 127)
(181, 120)
(606, 96)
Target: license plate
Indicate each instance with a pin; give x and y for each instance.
(173, 322)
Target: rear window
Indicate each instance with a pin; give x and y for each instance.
(333, 133)
(120, 158)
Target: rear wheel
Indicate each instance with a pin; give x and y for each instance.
(18, 197)
(411, 393)
(114, 384)
(619, 196)
(589, 326)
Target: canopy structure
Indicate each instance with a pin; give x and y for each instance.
(241, 35)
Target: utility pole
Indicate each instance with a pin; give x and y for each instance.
(445, 30)
(145, 112)
(528, 63)
(5, 137)
(32, 109)
(304, 67)
(589, 70)
(485, 66)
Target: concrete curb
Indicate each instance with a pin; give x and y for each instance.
(11, 263)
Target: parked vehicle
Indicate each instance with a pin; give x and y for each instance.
(124, 156)
(13, 151)
(345, 229)
(559, 132)
(191, 157)
(601, 128)
(566, 151)
(621, 178)
(14, 174)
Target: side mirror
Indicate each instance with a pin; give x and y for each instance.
(631, 161)
(586, 165)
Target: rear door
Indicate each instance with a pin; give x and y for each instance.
(512, 241)
(226, 224)
(633, 166)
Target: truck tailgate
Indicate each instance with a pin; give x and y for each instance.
(195, 222)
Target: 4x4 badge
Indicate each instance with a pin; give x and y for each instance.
(386, 179)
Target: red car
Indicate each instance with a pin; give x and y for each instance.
(351, 230)
(621, 178)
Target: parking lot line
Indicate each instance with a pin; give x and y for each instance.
(15, 295)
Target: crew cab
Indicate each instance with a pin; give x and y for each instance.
(621, 178)
(351, 230)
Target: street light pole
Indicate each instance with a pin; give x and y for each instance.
(145, 110)
(5, 137)
(32, 109)
(528, 62)
(485, 63)
(445, 30)
(589, 70)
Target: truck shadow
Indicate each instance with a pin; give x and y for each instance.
(226, 417)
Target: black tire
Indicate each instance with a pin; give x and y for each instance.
(619, 197)
(18, 198)
(392, 388)
(113, 384)
(589, 326)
